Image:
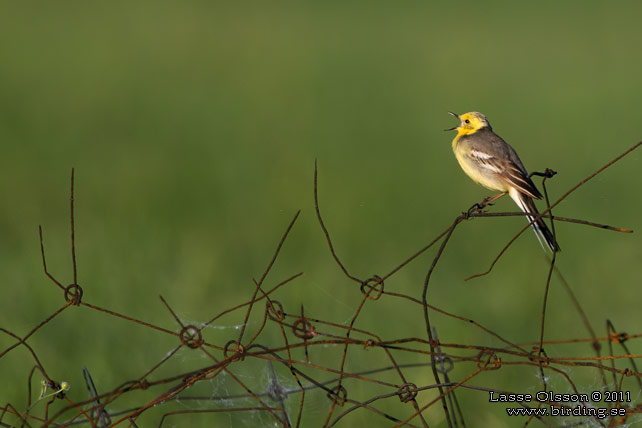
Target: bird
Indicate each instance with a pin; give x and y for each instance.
(490, 161)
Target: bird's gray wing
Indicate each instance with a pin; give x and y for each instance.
(490, 151)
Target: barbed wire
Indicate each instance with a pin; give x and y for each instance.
(300, 337)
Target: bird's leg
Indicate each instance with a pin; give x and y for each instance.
(488, 199)
(479, 207)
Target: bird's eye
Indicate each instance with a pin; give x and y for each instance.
(467, 121)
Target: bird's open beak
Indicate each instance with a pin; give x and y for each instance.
(454, 127)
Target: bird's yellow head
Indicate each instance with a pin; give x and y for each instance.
(469, 123)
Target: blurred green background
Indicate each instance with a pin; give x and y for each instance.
(194, 127)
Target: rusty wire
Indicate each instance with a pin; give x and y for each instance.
(455, 367)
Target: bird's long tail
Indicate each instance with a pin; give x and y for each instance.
(543, 233)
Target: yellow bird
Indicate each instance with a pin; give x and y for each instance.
(491, 162)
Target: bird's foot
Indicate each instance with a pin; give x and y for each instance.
(477, 208)
(488, 200)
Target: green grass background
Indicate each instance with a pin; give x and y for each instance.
(194, 127)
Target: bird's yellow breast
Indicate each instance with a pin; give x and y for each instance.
(478, 174)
